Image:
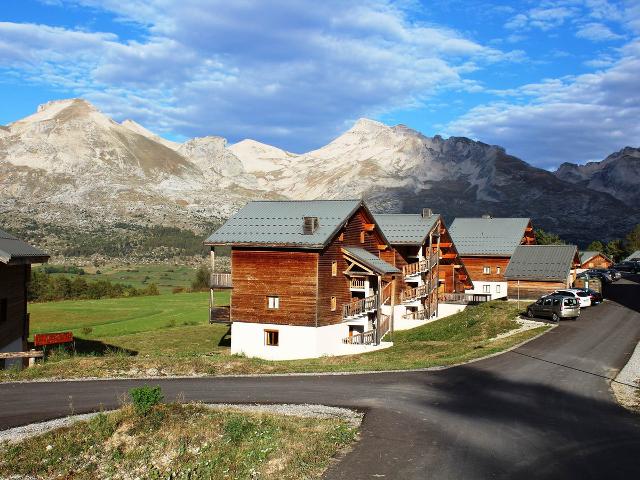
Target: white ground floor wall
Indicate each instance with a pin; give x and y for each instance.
(444, 310)
(495, 289)
(14, 346)
(296, 342)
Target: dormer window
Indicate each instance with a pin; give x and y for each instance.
(310, 225)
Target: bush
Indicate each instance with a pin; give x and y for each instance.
(145, 398)
(86, 330)
(177, 290)
(201, 281)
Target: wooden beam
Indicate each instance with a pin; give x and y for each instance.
(446, 244)
(382, 247)
(369, 227)
(448, 256)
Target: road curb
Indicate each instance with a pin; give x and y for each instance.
(627, 395)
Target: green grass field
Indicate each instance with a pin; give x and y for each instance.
(170, 335)
(166, 277)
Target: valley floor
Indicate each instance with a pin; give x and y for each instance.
(170, 335)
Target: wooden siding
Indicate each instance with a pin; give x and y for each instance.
(290, 275)
(13, 287)
(532, 289)
(599, 261)
(338, 286)
(475, 267)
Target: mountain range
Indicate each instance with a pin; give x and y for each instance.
(69, 173)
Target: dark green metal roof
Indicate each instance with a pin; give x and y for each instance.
(406, 229)
(369, 260)
(13, 249)
(541, 262)
(280, 223)
(488, 236)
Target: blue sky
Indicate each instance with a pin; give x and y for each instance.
(551, 81)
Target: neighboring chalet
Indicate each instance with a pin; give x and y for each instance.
(430, 264)
(536, 270)
(16, 258)
(486, 245)
(635, 256)
(593, 259)
(308, 278)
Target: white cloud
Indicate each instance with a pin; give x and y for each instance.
(574, 119)
(281, 71)
(597, 32)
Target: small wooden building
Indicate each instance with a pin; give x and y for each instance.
(536, 270)
(486, 245)
(16, 258)
(635, 256)
(432, 271)
(308, 278)
(593, 259)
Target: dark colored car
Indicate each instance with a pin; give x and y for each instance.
(596, 297)
(632, 267)
(615, 274)
(601, 274)
(556, 307)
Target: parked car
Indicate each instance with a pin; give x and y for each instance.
(555, 307)
(583, 298)
(601, 274)
(615, 274)
(596, 297)
(632, 267)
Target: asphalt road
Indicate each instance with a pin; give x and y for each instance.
(544, 410)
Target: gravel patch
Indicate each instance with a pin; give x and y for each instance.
(627, 395)
(17, 434)
(524, 325)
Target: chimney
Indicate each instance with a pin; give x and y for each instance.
(310, 225)
(427, 213)
(486, 216)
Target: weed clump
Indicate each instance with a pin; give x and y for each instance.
(145, 398)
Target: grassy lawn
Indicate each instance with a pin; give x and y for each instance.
(166, 277)
(183, 442)
(169, 335)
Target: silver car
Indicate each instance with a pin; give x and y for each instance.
(555, 307)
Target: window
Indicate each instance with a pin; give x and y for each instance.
(556, 301)
(486, 270)
(3, 310)
(497, 288)
(334, 304)
(486, 288)
(498, 270)
(271, 338)
(362, 236)
(273, 302)
(334, 268)
(547, 301)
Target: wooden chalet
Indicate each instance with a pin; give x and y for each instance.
(432, 271)
(308, 278)
(486, 245)
(536, 270)
(16, 258)
(593, 259)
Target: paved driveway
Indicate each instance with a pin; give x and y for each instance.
(544, 410)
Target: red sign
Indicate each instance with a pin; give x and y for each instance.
(41, 339)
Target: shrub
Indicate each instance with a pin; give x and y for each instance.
(177, 290)
(86, 330)
(145, 398)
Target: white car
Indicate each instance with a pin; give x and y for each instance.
(584, 299)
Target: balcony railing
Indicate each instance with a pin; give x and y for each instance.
(357, 284)
(410, 294)
(366, 338)
(360, 307)
(420, 266)
(385, 325)
(221, 280)
(417, 315)
(464, 298)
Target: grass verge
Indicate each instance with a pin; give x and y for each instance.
(181, 441)
(202, 349)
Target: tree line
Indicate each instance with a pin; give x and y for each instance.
(45, 288)
(616, 249)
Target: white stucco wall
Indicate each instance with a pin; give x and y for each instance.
(295, 342)
(14, 346)
(493, 286)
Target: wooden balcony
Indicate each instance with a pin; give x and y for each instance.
(221, 280)
(411, 294)
(420, 266)
(356, 284)
(220, 314)
(360, 307)
(366, 338)
(417, 315)
(464, 298)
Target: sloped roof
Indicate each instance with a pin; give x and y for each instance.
(11, 249)
(488, 236)
(541, 262)
(589, 254)
(635, 255)
(369, 260)
(279, 223)
(406, 229)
